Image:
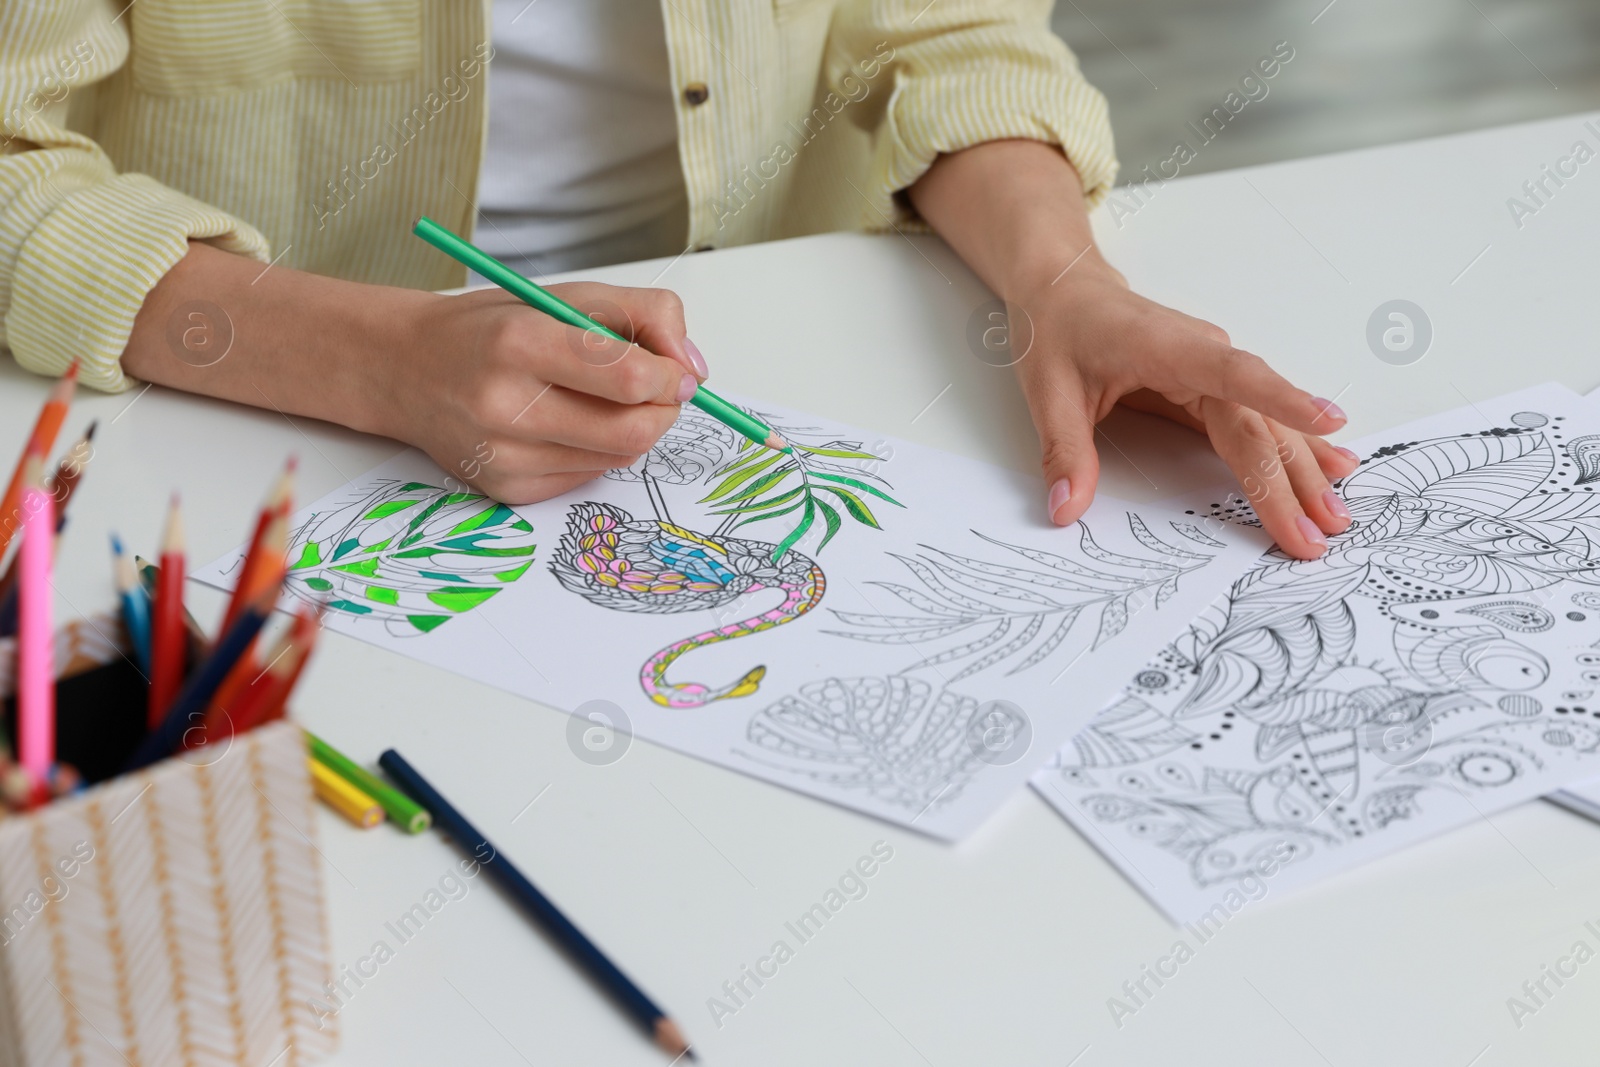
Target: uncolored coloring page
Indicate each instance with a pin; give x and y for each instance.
(1440, 663)
(1583, 797)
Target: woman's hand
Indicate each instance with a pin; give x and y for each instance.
(1014, 211)
(1095, 343)
(524, 408)
(503, 397)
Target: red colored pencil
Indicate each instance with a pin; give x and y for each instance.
(241, 687)
(40, 442)
(263, 560)
(281, 676)
(168, 635)
(247, 688)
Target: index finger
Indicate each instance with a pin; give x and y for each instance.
(1247, 444)
(587, 361)
(1244, 378)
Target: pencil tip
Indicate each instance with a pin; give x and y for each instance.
(94, 424)
(670, 1038)
(116, 543)
(32, 470)
(173, 541)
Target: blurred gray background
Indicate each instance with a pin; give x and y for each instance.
(1365, 72)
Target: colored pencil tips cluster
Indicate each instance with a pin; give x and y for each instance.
(202, 695)
(194, 692)
(35, 509)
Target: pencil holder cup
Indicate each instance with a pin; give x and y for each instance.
(170, 916)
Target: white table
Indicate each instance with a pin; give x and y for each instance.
(1005, 949)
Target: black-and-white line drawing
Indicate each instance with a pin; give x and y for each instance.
(1585, 453)
(897, 739)
(1419, 654)
(1007, 612)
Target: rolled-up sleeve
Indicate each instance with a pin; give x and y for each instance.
(80, 244)
(965, 72)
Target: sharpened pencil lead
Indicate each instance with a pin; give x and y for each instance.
(172, 539)
(671, 1039)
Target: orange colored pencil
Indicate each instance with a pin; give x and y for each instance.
(240, 687)
(282, 674)
(168, 635)
(40, 442)
(264, 562)
(60, 488)
(247, 669)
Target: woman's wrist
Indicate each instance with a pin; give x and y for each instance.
(1054, 267)
(1014, 211)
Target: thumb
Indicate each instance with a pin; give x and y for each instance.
(1063, 415)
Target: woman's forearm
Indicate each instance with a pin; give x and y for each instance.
(1013, 210)
(502, 397)
(221, 325)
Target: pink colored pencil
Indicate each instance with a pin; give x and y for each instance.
(36, 691)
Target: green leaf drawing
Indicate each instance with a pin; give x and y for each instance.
(409, 554)
(757, 486)
(745, 484)
(798, 532)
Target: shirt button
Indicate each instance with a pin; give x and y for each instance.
(696, 93)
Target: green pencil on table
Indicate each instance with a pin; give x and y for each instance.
(401, 809)
(541, 299)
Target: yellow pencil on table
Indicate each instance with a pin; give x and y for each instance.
(343, 797)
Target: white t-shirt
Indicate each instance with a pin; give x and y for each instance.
(582, 164)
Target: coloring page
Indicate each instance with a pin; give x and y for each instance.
(892, 628)
(1583, 797)
(1440, 663)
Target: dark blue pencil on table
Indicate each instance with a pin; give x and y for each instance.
(583, 951)
(189, 706)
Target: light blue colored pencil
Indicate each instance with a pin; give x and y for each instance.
(135, 604)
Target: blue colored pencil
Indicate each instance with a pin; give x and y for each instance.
(189, 706)
(538, 907)
(135, 605)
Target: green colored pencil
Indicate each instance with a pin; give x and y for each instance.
(401, 809)
(536, 296)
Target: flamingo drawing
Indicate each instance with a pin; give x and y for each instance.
(654, 566)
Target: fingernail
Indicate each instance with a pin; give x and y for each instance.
(1329, 409)
(686, 388)
(1347, 454)
(699, 361)
(1309, 531)
(1335, 505)
(1060, 493)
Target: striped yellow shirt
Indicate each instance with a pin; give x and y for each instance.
(312, 132)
